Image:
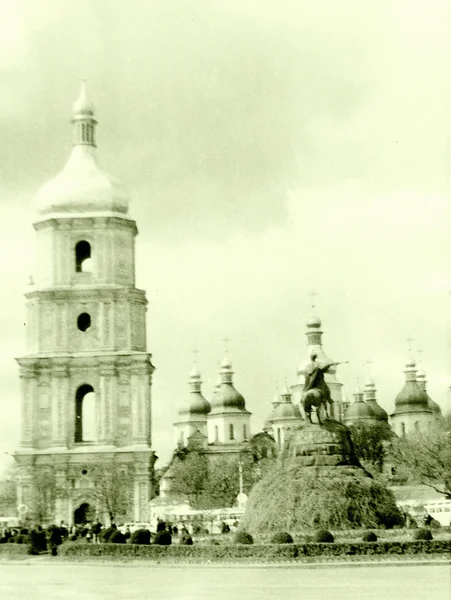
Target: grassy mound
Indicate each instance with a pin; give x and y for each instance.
(295, 498)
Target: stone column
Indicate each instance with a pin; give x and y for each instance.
(108, 402)
(141, 492)
(28, 378)
(60, 391)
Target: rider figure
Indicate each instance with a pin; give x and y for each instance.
(314, 379)
(314, 376)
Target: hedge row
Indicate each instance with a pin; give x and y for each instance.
(15, 549)
(259, 552)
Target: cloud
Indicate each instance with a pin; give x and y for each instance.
(269, 149)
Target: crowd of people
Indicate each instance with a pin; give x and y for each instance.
(43, 538)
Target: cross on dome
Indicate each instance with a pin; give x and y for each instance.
(409, 341)
(313, 295)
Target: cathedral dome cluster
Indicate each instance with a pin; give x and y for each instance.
(224, 421)
(82, 187)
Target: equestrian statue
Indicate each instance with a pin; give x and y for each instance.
(316, 392)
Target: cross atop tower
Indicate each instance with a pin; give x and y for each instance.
(369, 363)
(225, 341)
(420, 352)
(313, 295)
(409, 341)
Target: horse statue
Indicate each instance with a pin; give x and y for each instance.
(316, 392)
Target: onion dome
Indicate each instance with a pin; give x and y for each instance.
(82, 187)
(359, 411)
(197, 406)
(411, 398)
(370, 399)
(314, 322)
(286, 409)
(227, 398)
(422, 382)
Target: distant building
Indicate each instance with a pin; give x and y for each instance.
(413, 411)
(359, 411)
(284, 419)
(371, 400)
(193, 414)
(365, 408)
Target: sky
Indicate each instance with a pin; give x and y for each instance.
(270, 149)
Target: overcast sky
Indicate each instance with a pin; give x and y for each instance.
(270, 148)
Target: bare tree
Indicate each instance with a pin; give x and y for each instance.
(8, 494)
(425, 457)
(45, 494)
(113, 489)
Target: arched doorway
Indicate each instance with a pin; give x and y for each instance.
(83, 514)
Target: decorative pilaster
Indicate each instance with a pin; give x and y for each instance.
(107, 399)
(60, 392)
(28, 379)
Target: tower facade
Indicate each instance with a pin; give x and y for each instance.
(86, 375)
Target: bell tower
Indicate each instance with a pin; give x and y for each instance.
(86, 376)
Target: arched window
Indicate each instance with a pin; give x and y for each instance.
(403, 429)
(417, 426)
(244, 432)
(231, 436)
(83, 257)
(182, 438)
(85, 414)
(216, 433)
(279, 437)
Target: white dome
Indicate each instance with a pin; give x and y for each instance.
(82, 187)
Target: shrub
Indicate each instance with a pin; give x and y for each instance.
(434, 524)
(117, 537)
(161, 525)
(282, 537)
(422, 534)
(21, 538)
(163, 538)
(107, 533)
(243, 537)
(140, 536)
(38, 541)
(323, 536)
(369, 536)
(214, 542)
(186, 539)
(294, 498)
(246, 553)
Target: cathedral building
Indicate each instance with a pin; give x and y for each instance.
(413, 411)
(284, 419)
(86, 375)
(365, 408)
(220, 427)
